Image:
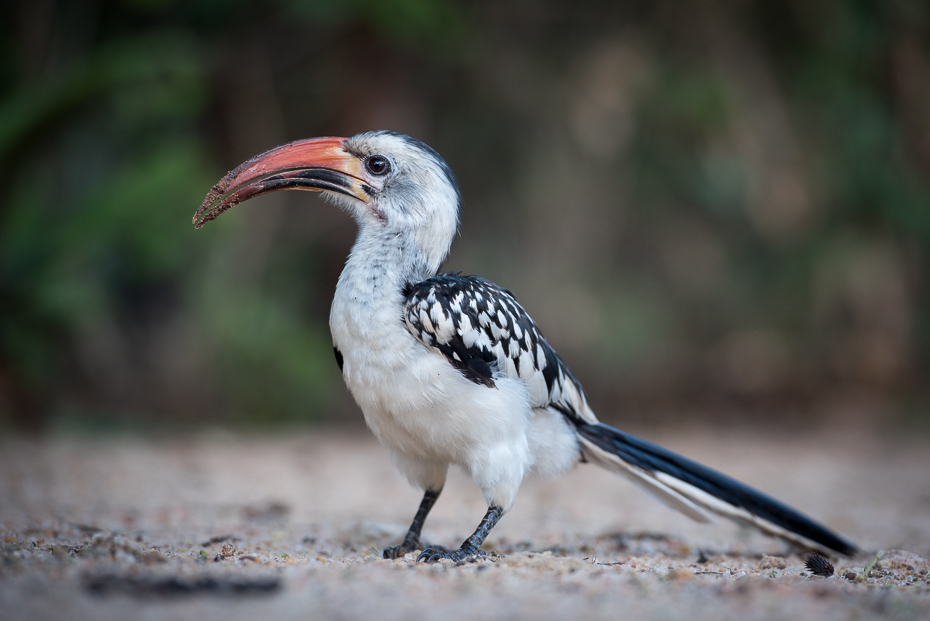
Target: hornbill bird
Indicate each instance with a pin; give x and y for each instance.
(450, 369)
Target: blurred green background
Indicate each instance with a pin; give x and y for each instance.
(716, 211)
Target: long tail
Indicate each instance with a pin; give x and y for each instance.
(694, 489)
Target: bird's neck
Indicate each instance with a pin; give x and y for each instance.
(367, 311)
(388, 259)
(382, 263)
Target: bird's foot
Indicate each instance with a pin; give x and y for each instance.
(434, 554)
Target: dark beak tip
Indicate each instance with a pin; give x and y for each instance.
(215, 194)
(196, 220)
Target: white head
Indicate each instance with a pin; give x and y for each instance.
(400, 191)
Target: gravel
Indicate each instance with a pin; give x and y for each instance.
(224, 525)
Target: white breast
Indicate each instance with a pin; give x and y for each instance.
(416, 403)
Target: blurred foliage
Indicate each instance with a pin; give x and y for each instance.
(741, 222)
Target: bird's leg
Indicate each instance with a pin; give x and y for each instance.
(471, 546)
(412, 540)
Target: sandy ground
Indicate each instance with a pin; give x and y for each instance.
(231, 526)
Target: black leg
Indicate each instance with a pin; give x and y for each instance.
(412, 540)
(471, 546)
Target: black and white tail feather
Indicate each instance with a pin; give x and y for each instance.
(484, 332)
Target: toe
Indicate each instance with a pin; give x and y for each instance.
(430, 555)
(396, 552)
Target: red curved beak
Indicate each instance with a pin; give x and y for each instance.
(315, 164)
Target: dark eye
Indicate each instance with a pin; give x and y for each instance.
(378, 165)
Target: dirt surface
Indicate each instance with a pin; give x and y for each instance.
(231, 526)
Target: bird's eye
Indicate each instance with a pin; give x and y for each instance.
(378, 165)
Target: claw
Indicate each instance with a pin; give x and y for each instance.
(396, 552)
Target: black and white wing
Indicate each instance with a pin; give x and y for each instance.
(483, 332)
